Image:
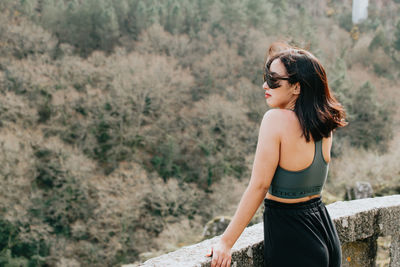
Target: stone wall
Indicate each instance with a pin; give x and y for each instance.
(359, 223)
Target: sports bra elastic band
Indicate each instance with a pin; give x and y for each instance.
(306, 182)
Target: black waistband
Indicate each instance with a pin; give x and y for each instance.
(312, 203)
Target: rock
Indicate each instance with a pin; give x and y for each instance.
(359, 190)
(216, 226)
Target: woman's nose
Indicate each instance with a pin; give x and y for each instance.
(265, 86)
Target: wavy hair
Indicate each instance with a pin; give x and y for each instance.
(316, 108)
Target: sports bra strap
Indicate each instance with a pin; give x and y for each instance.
(306, 182)
(318, 151)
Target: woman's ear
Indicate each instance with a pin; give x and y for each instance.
(296, 88)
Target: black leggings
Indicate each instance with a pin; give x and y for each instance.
(299, 234)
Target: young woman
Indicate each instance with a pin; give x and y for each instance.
(290, 166)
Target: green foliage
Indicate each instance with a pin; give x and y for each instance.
(44, 112)
(88, 26)
(7, 260)
(339, 82)
(304, 29)
(369, 121)
(28, 7)
(8, 232)
(61, 198)
(167, 159)
(14, 83)
(375, 19)
(164, 204)
(383, 70)
(111, 147)
(345, 21)
(396, 43)
(45, 109)
(232, 13)
(256, 10)
(173, 17)
(140, 15)
(17, 252)
(379, 40)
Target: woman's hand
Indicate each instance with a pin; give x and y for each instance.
(221, 255)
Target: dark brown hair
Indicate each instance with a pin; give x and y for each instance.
(316, 108)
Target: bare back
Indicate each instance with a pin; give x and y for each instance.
(295, 153)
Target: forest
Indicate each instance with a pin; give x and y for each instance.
(126, 125)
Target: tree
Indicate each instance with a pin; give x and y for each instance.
(377, 41)
(396, 43)
(88, 26)
(370, 122)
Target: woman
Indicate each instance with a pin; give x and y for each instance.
(290, 166)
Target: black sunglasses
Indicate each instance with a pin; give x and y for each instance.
(273, 80)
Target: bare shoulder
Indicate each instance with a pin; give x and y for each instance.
(274, 121)
(277, 118)
(277, 114)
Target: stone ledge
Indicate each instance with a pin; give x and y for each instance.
(355, 220)
(362, 218)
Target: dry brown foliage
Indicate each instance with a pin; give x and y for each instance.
(120, 153)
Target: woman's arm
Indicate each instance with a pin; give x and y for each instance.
(265, 162)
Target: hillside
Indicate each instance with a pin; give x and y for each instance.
(126, 125)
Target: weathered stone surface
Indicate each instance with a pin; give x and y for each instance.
(358, 222)
(359, 253)
(383, 253)
(359, 219)
(246, 252)
(395, 250)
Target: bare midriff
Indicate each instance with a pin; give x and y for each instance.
(289, 200)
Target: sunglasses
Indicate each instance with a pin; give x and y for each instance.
(273, 80)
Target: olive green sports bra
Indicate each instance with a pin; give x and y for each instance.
(306, 182)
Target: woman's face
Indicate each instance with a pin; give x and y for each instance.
(285, 95)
